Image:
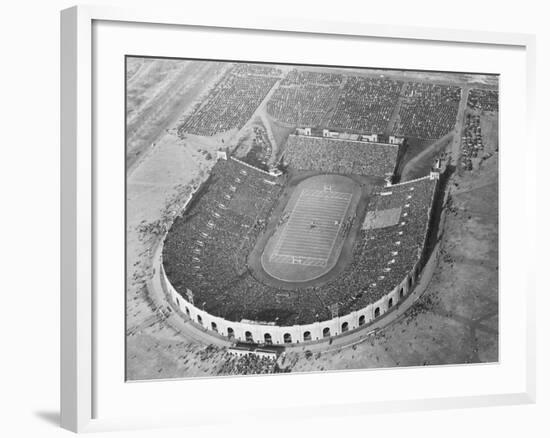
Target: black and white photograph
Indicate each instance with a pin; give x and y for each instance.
(302, 218)
(299, 219)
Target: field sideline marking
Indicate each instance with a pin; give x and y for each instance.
(279, 242)
(321, 243)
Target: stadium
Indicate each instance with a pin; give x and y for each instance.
(322, 244)
(292, 218)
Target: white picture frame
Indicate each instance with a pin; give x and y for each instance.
(79, 169)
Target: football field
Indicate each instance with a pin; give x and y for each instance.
(312, 227)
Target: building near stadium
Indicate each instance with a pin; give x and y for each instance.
(323, 250)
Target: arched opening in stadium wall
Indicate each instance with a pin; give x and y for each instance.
(230, 333)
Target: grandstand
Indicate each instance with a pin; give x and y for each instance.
(365, 105)
(305, 77)
(231, 103)
(351, 104)
(429, 111)
(306, 105)
(340, 156)
(485, 100)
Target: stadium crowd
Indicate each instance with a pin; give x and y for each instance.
(255, 70)
(383, 256)
(306, 105)
(214, 237)
(305, 77)
(472, 142)
(485, 100)
(428, 111)
(260, 151)
(230, 104)
(365, 105)
(340, 156)
(249, 364)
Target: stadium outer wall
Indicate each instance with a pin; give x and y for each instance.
(296, 334)
(252, 332)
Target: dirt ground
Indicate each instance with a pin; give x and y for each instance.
(454, 321)
(158, 92)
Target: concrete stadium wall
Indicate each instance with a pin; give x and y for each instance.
(256, 332)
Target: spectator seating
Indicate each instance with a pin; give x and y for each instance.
(428, 111)
(485, 100)
(244, 69)
(306, 105)
(365, 105)
(305, 77)
(472, 142)
(340, 156)
(260, 150)
(230, 104)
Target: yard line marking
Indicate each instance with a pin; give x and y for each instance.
(279, 242)
(320, 211)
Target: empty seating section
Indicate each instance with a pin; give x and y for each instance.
(340, 156)
(230, 104)
(428, 111)
(365, 105)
